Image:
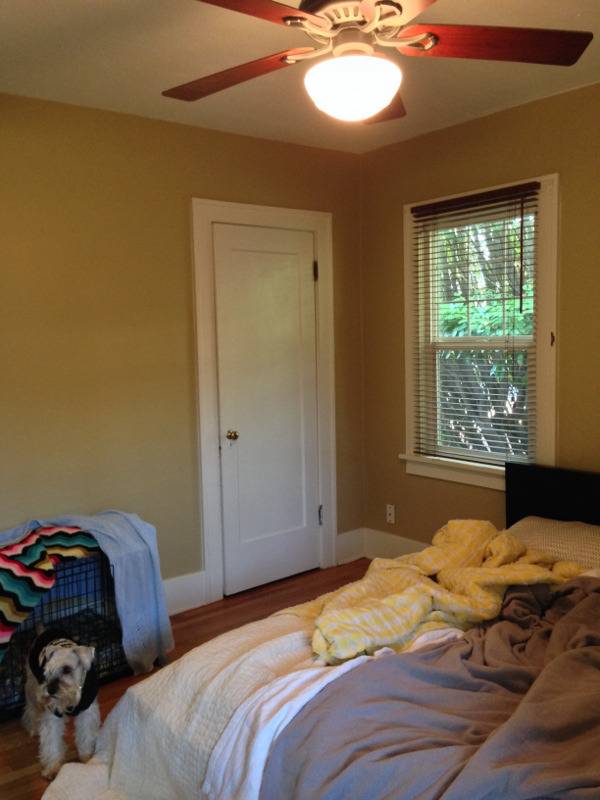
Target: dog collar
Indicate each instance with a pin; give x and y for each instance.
(89, 691)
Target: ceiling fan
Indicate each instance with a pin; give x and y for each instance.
(357, 82)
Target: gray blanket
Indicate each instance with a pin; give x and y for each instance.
(512, 711)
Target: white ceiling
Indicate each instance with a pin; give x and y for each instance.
(121, 54)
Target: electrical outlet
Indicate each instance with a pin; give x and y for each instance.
(390, 514)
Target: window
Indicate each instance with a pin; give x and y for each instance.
(480, 329)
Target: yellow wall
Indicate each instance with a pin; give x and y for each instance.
(559, 134)
(97, 396)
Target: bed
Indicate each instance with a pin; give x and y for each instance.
(502, 710)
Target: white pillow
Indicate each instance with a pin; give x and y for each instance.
(565, 541)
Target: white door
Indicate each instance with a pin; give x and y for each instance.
(266, 351)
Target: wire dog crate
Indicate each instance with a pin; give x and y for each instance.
(82, 602)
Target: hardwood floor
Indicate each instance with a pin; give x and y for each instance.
(19, 769)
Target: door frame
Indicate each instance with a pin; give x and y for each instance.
(204, 214)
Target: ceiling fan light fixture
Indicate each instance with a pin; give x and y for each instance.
(353, 87)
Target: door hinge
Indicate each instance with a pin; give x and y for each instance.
(320, 515)
(316, 270)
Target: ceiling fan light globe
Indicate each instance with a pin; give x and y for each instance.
(353, 87)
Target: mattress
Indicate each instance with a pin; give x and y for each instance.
(169, 725)
(175, 735)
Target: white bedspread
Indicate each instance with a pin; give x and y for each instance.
(156, 742)
(232, 695)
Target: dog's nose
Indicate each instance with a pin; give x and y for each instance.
(53, 687)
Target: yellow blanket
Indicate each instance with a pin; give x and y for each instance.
(397, 600)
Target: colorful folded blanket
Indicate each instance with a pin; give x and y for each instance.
(27, 572)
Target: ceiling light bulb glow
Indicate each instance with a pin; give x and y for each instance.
(353, 87)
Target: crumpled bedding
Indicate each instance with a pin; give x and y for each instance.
(398, 599)
(156, 743)
(508, 711)
(236, 765)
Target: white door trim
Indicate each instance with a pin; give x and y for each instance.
(204, 214)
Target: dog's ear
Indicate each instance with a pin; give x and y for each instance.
(86, 655)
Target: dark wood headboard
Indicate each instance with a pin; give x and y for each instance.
(564, 494)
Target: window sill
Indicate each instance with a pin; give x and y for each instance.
(445, 469)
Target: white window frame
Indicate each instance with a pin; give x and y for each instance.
(487, 475)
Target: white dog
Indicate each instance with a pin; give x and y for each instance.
(61, 680)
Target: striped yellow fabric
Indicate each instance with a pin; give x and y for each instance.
(398, 599)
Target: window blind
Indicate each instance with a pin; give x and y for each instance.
(474, 262)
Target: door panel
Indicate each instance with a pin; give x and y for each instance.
(266, 346)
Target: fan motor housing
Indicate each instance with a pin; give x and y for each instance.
(353, 41)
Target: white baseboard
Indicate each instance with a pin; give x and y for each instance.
(187, 591)
(193, 590)
(381, 544)
(371, 543)
(349, 546)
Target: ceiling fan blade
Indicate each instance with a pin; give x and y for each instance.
(202, 87)
(266, 9)
(533, 45)
(395, 110)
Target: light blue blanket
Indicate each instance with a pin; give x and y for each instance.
(130, 545)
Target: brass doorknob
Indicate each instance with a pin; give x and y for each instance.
(232, 435)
